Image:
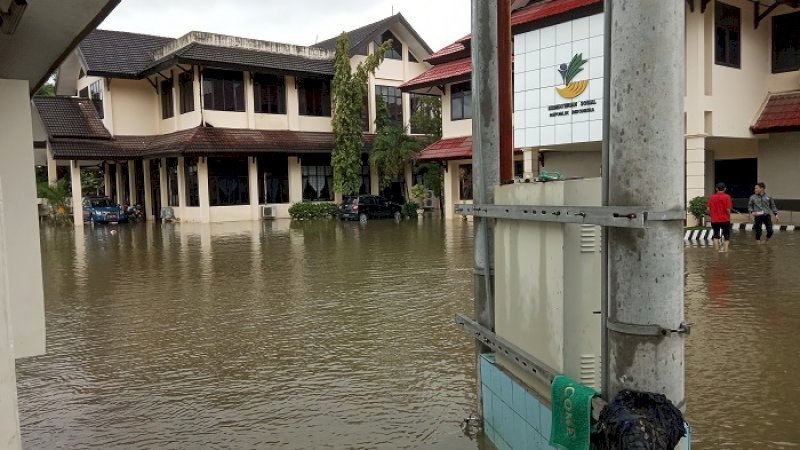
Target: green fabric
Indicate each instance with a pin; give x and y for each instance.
(572, 414)
(549, 176)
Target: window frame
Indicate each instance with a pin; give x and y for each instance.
(262, 84)
(461, 95)
(95, 93)
(166, 94)
(396, 105)
(307, 89)
(790, 17)
(396, 51)
(186, 91)
(733, 53)
(226, 87)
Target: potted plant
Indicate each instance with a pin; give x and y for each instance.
(697, 208)
(419, 193)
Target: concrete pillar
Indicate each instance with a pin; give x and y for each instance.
(249, 101)
(9, 416)
(106, 180)
(77, 195)
(23, 265)
(164, 182)
(292, 103)
(295, 180)
(181, 188)
(695, 167)
(120, 186)
(202, 183)
(132, 182)
(408, 175)
(52, 173)
(449, 193)
(252, 177)
(530, 163)
(148, 192)
(646, 148)
(374, 181)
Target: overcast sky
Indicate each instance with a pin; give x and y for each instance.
(302, 22)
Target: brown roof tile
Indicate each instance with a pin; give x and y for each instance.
(70, 117)
(119, 53)
(781, 113)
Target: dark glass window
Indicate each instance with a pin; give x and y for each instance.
(519, 169)
(786, 43)
(465, 181)
(396, 52)
(228, 181)
(394, 102)
(84, 93)
(223, 90)
(270, 93)
(365, 179)
(412, 58)
(274, 179)
(96, 94)
(461, 101)
(728, 21)
(186, 81)
(172, 180)
(314, 96)
(155, 186)
(317, 178)
(167, 105)
(192, 185)
(138, 182)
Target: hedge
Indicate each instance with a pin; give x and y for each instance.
(313, 210)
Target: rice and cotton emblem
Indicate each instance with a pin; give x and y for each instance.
(568, 72)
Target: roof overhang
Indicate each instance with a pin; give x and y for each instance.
(46, 32)
(780, 113)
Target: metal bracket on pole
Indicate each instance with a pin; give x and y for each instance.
(608, 216)
(646, 330)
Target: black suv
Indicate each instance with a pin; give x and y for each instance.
(365, 207)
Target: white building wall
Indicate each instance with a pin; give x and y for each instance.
(135, 108)
(22, 251)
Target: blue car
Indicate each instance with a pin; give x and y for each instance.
(102, 210)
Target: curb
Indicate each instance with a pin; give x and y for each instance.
(705, 235)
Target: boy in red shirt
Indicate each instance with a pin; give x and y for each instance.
(720, 205)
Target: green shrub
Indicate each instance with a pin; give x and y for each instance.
(698, 207)
(313, 210)
(410, 210)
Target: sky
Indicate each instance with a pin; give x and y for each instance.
(301, 22)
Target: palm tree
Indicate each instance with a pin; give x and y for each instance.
(56, 196)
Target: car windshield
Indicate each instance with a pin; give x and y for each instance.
(101, 202)
(349, 200)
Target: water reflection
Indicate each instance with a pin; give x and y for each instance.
(253, 335)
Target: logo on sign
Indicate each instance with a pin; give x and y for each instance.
(572, 89)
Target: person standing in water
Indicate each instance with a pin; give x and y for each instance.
(761, 207)
(719, 206)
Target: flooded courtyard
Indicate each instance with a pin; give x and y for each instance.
(337, 335)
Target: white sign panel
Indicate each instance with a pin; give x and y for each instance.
(558, 84)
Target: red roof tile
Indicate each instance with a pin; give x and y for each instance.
(450, 148)
(781, 113)
(452, 71)
(448, 52)
(539, 11)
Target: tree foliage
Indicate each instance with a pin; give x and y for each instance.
(349, 90)
(47, 89)
(92, 180)
(392, 148)
(427, 117)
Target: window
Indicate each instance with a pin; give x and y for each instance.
(167, 105)
(394, 102)
(519, 169)
(84, 93)
(786, 43)
(314, 96)
(192, 185)
(728, 20)
(412, 58)
(274, 175)
(228, 181)
(270, 93)
(186, 81)
(396, 51)
(432, 106)
(317, 178)
(465, 181)
(96, 94)
(223, 90)
(461, 101)
(172, 181)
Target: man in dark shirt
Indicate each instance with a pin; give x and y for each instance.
(761, 207)
(719, 206)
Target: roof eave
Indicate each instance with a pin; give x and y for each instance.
(437, 83)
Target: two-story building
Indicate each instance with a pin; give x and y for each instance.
(218, 128)
(742, 110)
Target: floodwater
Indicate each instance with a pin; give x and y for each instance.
(266, 335)
(336, 335)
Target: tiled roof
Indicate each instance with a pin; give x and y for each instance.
(456, 50)
(541, 10)
(199, 141)
(459, 70)
(226, 56)
(781, 113)
(361, 36)
(70, 117)
(119, 53)
(450, 148)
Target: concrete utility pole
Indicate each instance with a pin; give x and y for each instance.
(485, 148)
(645, 166)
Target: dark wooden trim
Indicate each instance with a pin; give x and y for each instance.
(759, 16)
(577, 13)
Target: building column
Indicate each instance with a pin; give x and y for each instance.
(252, 176)
(295, 180)
(450, 169)
(409, 178)
(148, 192)
(164, 183)
(52, 173)
(106, 180)
(77, 206)
(530, 163)
(695, 170)
(181, 188)
(249, 100)
(132, 182)
(374, 181)
(120, 188)
(202, 184)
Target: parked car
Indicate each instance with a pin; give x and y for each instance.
(102, 210)
(363, 207)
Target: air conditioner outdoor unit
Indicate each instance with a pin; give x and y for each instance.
(269, 212)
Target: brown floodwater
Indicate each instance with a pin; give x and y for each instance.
(336, 335)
